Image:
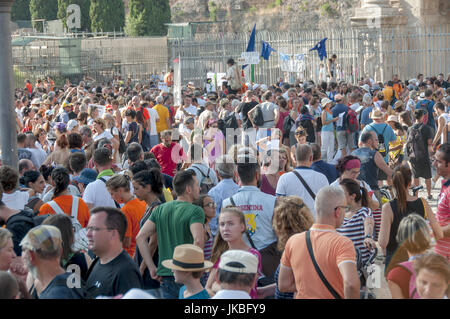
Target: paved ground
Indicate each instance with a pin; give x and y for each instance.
(383, 292)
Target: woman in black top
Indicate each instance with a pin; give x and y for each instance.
(148, 186)
(393, 212)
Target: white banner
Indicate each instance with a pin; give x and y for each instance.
(163, 86)
(250, 57)
(177, 82)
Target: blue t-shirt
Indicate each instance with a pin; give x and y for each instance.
(326, 169)
(200, 295)
(365, 116)
(388, 134)
(58, 289)
(338, 109)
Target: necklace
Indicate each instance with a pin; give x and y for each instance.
(415, 257)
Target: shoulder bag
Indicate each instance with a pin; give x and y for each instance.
(316, 266)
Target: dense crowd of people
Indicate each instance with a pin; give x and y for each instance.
(290, 190)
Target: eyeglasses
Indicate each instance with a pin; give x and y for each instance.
(96, 229)
(211, 204)
(346, 208)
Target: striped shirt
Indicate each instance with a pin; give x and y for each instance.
(353, 228)
(207, 251)
(443, 217)
(376, 214)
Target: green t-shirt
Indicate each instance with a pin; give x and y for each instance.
(173, 221)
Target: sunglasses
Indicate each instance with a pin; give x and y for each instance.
(211, 204)
(300, 133)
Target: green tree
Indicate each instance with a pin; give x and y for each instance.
(107, 15)
(20, 10)
(43, 9)
(85, 5)
(147, 17)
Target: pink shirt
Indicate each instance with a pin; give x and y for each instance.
(443, 217)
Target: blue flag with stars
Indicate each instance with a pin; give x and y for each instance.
(321, 49)
(266, 49)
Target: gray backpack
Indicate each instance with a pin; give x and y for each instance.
(206, 183)
(81, 241)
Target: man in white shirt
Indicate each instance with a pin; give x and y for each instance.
(154, 117)
(291, 184)
(96, 194)
(38, 155)
(186, 110)
(270, 112)
(237, 274)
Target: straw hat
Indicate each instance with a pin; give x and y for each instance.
(376, 114)
(188, 258)
(393, 118)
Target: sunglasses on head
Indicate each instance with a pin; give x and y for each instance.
(300, 133)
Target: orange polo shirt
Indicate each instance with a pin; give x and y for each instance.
(330, 250)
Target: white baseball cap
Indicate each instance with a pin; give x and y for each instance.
(239, 261)
(366, 87)
(263, 87)
(71, 125)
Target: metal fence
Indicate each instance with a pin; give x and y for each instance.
(378, 53)
(98, 58)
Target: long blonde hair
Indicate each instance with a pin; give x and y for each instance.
(220, 245)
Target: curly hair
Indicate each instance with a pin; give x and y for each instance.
(9, 178)
(290, 216)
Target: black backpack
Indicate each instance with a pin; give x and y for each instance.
(122, 145)
(228, 122)
(26, 217)
(381, 146)
(415, 144)
(287, 124)
(258, 118)
(309, 127)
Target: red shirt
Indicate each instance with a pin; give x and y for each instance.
(401, 277)
(29, 87)
(168, 157)
(144, 111)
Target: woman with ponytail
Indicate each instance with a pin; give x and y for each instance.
(358, 224)
(62, 201)
(60, 155)
(393, 212)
